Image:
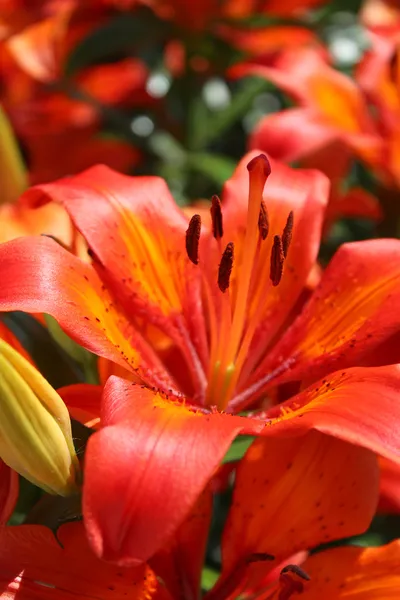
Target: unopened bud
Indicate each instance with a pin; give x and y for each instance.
(35, 428)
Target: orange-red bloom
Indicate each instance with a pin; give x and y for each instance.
(335, 109)
(331, 125)
(210, 317)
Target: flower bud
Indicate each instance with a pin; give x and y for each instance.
(35, 428)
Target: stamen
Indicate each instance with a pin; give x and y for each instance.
(263, 221)
(193, 239)
(287, 234)
(216, 218)
(225, 267)
(259, 170)
(297, 571)
(289, 585)
(277, 260)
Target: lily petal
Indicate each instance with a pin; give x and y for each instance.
(180, 563)
(41, 277)
(8, 336)
(156, 457)
(362, 573)
(357, 405)
(131, 232)
(37, 49)
(292, 134)
(83, 402)
(35, 565)
(137, 234)
(351, 312)
(316, 489)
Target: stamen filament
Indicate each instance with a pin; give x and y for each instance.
(242, 400)
(259, 170)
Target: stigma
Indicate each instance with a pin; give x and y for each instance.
(250, 267)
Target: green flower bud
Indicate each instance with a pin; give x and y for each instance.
(35, 428)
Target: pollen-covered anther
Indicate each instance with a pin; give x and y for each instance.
(263, 221)
(225, 267)
(277, 260)
(193, 239)
(287, 234)
(289, 581)
(216, 218)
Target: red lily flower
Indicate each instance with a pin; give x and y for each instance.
(221, 332)
(334, 109)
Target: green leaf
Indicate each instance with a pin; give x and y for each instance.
(216, 167)
(219, 122)
(238, 448)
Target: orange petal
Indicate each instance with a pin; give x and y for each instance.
(83, 402)
(352, 311)
(17, 221)
(180, 563)
(358, 405)
(37, 49)
(316, 489)
(138, 220)
(352, 572)
(270, 39)
(8, 336)
(133, 501)
(34, 564)
(137, 234)
(40, 276)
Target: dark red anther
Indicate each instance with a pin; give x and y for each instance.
(193, 239)
(297, 571)
(263, 221)
(225, 267)
(291, 585)
(277, 260)
(287, 234)
(260, 162)
(216, 218)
